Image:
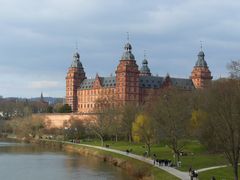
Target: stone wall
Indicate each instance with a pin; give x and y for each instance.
(57, 120)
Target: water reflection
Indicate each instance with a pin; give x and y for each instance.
(28, 162)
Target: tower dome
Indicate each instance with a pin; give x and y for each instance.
(76, 61)
(127, 55)
(145, 71)
(201, 60)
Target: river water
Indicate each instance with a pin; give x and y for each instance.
(27, 162)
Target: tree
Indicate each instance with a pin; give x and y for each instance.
(76, 130)
(99, 126)
(129, 113)
(28, 127)
(220, 129)
(171, 114)
(142, 131)
(49, 109)
(65, 109)
(234, 68)
(114, 117)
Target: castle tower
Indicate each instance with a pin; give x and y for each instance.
(127, 78)
(201, 75)
(74, 78)
(145, 71)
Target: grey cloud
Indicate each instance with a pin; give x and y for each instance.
(38, 38)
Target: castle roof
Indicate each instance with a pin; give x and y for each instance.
(106, 82)
(144, 82)
(182, 83)
(151, 81)
(145, 69)
(201, 60)
(157, 82)
(76, 61)
(127, 55)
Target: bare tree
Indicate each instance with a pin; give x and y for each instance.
(172, 113)
(100, 125)
(234, 68)
(220, 126)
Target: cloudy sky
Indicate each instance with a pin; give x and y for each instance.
(38, 38)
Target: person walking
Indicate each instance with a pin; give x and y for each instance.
(154, 158)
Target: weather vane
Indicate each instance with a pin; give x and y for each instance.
(145, 56)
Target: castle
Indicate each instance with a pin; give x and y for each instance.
(130, 84)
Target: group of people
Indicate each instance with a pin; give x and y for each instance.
(161, 162)
(192, 173)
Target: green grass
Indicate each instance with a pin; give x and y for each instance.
(220, 174)
(197, 157)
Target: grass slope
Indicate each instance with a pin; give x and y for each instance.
(220, 174)
(197, 157)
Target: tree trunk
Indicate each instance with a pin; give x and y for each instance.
(102, 143)
(178, 156)
(116, 137)
(235, 169)
(129, 137)
(149, 149)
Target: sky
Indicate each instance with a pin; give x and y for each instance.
(38, 39)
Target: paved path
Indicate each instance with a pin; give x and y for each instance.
(210, 168)
(170, 170)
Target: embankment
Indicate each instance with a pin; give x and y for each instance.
(133, 167)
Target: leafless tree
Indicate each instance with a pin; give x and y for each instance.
(220, 127)
(171, 114)
(234, 68)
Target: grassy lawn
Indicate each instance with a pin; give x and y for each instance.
(220, 174)
(197, 156)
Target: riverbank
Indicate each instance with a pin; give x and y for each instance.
(133, 167)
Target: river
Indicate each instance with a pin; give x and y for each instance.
(19, 161)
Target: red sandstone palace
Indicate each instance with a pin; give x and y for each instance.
(130, 84)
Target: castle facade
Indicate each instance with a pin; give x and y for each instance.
(130, 83)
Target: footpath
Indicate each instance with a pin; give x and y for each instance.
(170, 170)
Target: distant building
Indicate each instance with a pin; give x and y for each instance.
(130, 84)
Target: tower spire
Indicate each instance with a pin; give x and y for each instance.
(76, 45)
(144, 54)
(201, 46)
(127, 36)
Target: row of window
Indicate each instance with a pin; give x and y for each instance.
(95, 105)
(97, 91)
